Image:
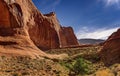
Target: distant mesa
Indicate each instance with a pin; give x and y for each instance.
(110, 53)
(91, 41)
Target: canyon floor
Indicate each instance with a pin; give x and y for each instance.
(82, 61)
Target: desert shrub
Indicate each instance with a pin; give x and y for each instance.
(66, 64)
(3, 57)
(82, 66)
(56, 72)
(15, 74)
(79, 66)
(26, 73)
(92, 57)
(8, 70)
(95, 57)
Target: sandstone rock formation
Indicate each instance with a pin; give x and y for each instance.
(23, 27)
(111, 51)
(67, 37)
(49, 34)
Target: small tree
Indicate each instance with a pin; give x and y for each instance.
(82, 66)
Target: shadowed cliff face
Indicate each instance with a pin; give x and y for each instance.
(23, 26)
(111, 51)
(44, 33)
(48, 34)
(4, 15)
(67, 37)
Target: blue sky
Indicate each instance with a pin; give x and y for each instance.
(89, 18)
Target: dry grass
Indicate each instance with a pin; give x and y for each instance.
(56, 65)
(22, 66)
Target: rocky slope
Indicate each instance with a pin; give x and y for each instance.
(23, 29)
(111, 51)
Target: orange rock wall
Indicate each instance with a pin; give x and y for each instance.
(110, 53)
(67, 37)
(4, 15)
(24, 19)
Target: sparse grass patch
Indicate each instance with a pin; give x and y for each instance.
(15, 74)
(25, 73)
(23, 66)
(81, 62)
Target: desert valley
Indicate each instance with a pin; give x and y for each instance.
(35, 44)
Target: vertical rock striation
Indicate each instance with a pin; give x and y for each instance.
(23, 26)
(111, 51)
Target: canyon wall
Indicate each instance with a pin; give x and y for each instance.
(110, 53)
(23, 27)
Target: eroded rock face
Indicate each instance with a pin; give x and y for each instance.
(111, 51)
(44, 33)
(67, 37)
(4, 15)
(23, 27)
(48, 34)
(14, 37)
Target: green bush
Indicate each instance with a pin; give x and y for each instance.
(79, 66)
(82, 66)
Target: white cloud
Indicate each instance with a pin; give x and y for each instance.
(103, 33)
(111, 2)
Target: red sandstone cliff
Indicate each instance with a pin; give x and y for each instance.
(111, 51)
(23, 27)
(49, 34)
(67, 37)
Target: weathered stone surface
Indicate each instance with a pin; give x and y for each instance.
(14, 37)
(44, 32)
(23, 27)
(49, 34)
(4, 15)
(111, 51)
(67, 37)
